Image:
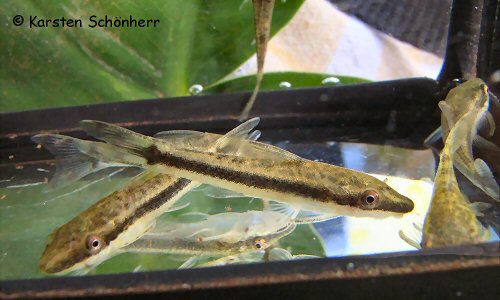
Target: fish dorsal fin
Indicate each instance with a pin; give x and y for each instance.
(173, 135)
(225, 143)
(234, 142)
(254, 135)
(189, 139)
(435, 136)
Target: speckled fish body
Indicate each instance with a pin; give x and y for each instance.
(450, 220)
(113, 222)
(123, 216)
(470, 97)
(302, 183)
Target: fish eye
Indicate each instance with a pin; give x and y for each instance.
(94, 243)
(369, 198)
(259, 243)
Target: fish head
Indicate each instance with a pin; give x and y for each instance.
(473, 93)
(374, 198)
(71, 248)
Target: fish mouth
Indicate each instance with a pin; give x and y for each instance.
(402, 205)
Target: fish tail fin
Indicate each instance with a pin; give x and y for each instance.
(71, 162)
(77, 158)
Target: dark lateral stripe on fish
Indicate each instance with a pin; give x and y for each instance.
(154, 156)
(155, 202)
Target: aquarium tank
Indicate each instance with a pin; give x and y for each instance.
(263, 148)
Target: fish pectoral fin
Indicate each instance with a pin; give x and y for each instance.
(178, 207)
(219, 193)
(479, 207)
(282, 208)
(483, 143)
(192, 262)
(306, 216)
(447, 112)
(491, 123)
(192, 217)
(487, 180)
(71, 169)
(435, 136)
(279, 254)
(408, 240)
(494, 99)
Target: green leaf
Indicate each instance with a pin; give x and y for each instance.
(195, 42)
(273, 80)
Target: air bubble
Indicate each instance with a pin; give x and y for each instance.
(196, 89)
(285, 85)
(330, 81)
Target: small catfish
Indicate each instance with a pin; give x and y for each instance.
(263, 13)
(261, 171)
(122, 217)
(266, 255)
(217, 235)
(470, 97)
(450, 220)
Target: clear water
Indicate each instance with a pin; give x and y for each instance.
(28, 214)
